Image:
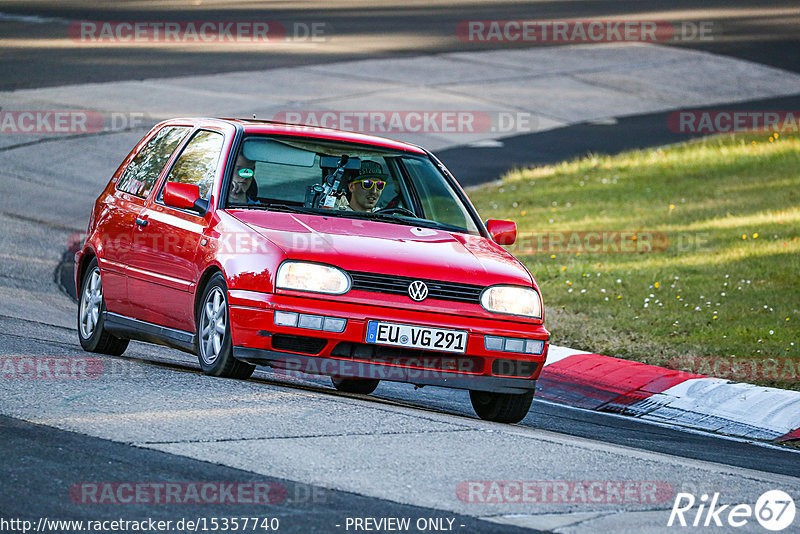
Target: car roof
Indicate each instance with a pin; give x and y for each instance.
(332, 134)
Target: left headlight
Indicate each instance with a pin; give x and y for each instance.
(512, 300)
(313, 277)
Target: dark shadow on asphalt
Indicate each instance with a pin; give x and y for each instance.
(46, 470)
(475, 165)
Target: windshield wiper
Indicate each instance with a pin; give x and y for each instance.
(287, 207)
(411, 221)
(279, 207)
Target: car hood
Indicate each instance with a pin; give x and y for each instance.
(387, 248)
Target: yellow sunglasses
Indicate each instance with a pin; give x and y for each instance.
(369, 183)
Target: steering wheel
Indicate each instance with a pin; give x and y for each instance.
(397, 210)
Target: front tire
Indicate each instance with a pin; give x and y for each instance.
(501, 407)
(91, 316)
(364, 386)
(214, 344)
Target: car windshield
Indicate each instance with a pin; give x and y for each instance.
(346, 180)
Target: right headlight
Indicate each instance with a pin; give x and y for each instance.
(512, 300)
(312, 277)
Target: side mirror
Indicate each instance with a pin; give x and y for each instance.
(502, 232)
(185, 197)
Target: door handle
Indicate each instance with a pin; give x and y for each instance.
(141, 222)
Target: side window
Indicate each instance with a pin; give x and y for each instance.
(198, 162)
(438, 201)
(143, 170)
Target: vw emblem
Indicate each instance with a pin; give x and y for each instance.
(417, 290)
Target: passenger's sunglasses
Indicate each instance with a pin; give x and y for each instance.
(368, 184)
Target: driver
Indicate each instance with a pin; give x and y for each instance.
(364, 189)
(244, 189)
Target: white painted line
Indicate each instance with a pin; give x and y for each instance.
(556, 354)
(34, 19)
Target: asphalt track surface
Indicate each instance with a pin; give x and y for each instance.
(41, 485)
(37, 53)
(40, 463)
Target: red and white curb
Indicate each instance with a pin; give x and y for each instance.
(652, 393)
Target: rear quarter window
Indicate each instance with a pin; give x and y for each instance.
(142, 172)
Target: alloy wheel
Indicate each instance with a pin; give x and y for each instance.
(91, 302)
(213, 326)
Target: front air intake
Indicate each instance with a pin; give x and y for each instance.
(299, 344)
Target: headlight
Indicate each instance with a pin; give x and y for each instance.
(313, 277)
(512, 300)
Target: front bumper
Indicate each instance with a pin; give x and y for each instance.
(257, 339)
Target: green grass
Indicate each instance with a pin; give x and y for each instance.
(726, 287)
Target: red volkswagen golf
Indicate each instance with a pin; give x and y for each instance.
(310, 250)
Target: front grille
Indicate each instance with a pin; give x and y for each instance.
(301, 344)
(398, 285)
(405, 357)
(522, 369)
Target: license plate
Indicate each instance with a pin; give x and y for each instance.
(416, 337)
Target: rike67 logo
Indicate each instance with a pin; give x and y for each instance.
(774, 510)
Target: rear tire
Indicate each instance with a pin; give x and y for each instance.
(364, 386)
(91, 319)
(214, 344)
(501, 407)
